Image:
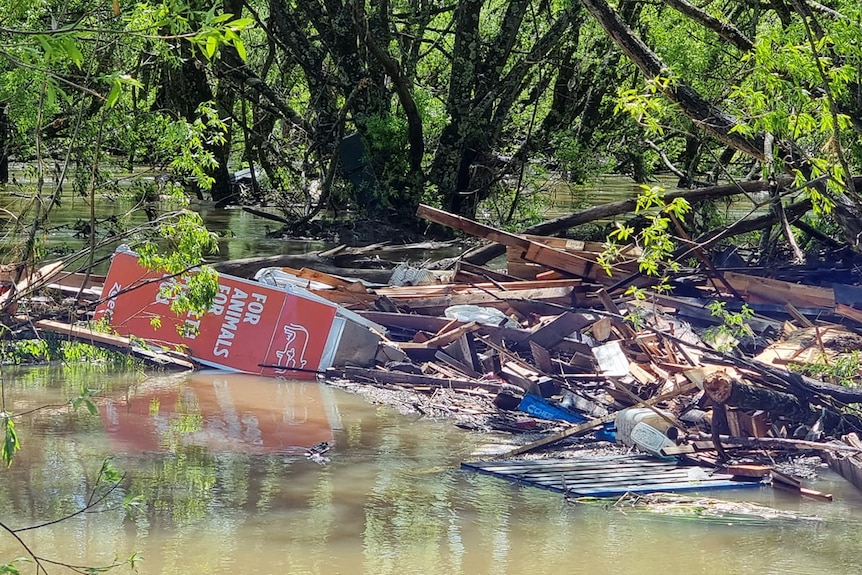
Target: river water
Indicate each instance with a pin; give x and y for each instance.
(227, 488)
(220, 463)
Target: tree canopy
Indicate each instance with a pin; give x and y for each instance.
(454, 103)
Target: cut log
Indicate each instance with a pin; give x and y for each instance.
(722, 389)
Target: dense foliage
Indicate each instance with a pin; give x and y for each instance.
(454, 103)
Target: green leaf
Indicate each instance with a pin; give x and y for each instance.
(72, 51)
(109, 472)
(113, 95)
(241, 23)
(210, 46)
(240, 49)
(222, 18)
(10, 568)
(10, 440)
(46, 45)
(133, 559)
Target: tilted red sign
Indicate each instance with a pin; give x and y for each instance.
(248, 326)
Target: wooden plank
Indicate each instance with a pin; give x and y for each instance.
(749, 470)
(849, 312)
(516, 266)
(533, 251)
(781, 292)
(322, 277)
(541, 357)
(570, 263)
(413, 379)
(433, 324)
(570, 245)
(497, 299)
(553, 332)
(76, 280)
(797, 315)
(112, 341)
(32, 281)
(457, 365)
(471, 227)
(346, 297)
(447, 337)
(677, 450)
(406, 292)
(466, 269)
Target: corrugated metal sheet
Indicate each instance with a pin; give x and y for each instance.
(607, 476)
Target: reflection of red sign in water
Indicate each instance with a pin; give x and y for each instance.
(221, 412)
(248, 325)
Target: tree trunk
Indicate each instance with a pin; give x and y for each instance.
(4, 144)
(725, 30)
(724, 390)
(484, 86)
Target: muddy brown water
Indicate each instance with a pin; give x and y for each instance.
(220, 462)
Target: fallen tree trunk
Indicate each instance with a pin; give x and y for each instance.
(724, 390)
(484, 254)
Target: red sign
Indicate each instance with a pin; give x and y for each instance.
(249, 324)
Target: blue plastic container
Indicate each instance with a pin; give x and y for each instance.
(541, 407)
(607, 432)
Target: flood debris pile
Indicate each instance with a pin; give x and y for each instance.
(736, 373)
(554, 345)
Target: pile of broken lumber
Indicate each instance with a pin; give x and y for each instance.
(562, 341)
(548, 343)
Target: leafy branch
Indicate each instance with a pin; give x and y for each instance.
(107, 482)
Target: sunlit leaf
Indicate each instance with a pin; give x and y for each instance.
(241, 23)
(210, 46)
(10, 439)
(240, 49)
(113, 95)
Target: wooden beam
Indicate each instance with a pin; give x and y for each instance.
(471, 227)
(31, 282)
(413, 379)
(111, 341)
(533, 251)
(781, 292)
